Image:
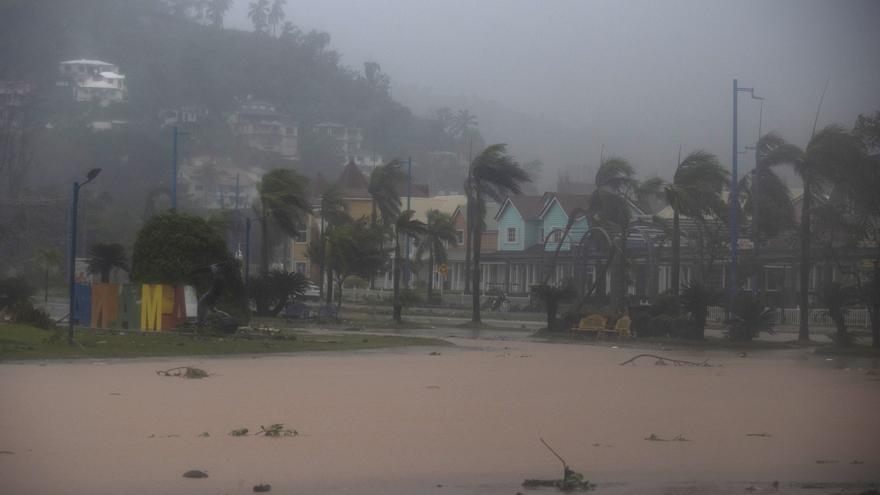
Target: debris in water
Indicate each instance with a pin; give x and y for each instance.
(240, 432)
(204, 434)
(571, 480)
(277, 430)
(758, 435)
(434, 353)
(195, 473)
(184, 372)
(262, 488)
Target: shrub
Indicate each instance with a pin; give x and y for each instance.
(696, 299)
(27, 314)
(14, 291)
(749, 318)
(271, 293)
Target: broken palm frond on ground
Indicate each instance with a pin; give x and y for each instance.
(678, 438)
(661, 361)
(571, 480)
(184, 372)
(276, 430)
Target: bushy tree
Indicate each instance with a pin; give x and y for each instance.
(172, 248)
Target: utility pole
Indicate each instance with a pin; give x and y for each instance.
(756, 184)
(734, 195)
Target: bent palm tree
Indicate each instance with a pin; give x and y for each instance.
(383, 190)
(695, 191)
(405, 225)
(612, 205)
(334, 212)
(103, 258)
(439, 232)
(283, 200)
(827, 150)
(494, 175)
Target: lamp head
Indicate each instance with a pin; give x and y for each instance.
(93, 173)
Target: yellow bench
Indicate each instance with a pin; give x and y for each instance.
(590, 324)
(621, 328)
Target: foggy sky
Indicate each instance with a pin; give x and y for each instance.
(558, 79)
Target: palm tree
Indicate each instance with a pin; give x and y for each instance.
(461, 122)
(334, 212)
(695, 191)
(383, 189)
(217, 11)
(258, 13)
(103, 258)
(283, 200)
(610, 206)
(440, 231)
(407, 226)
(49, 258)
(828, 149)
(493, 175)
(276, 14)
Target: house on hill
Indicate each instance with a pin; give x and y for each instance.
(93, 81)
(261, 126)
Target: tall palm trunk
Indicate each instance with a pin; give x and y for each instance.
(264, 226)
(329, 286)
(475, 290)
(804, 329)
(874, 303)
(469, 222)
(46, 285)
(430, 274)
(397, 306)
(676, 252)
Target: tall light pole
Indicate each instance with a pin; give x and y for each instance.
(247, 258)
(71, 281)
(734, 194)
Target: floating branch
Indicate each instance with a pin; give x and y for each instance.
(662, 361)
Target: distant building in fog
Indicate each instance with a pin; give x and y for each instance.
(264, 128)
(93, 81)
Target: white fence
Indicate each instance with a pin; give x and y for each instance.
(819, 317)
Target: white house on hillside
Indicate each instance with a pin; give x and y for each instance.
(93, 81)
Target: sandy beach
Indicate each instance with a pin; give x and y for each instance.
(465, 421)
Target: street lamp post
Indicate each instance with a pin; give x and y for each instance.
(247, 257)
(734, 194)
(72, 259)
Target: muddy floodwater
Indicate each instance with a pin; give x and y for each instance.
(467, 420)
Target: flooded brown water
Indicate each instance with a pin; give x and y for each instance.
(469, 419)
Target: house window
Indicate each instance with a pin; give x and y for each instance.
(300, 267)
(511, 234)
(557, 236)
(459, 236)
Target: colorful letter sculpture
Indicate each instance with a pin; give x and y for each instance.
(147, 307)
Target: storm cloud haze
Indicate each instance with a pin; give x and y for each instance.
(557, 80)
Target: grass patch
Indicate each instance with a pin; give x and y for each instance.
(23, 342)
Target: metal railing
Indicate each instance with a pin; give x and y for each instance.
(819, 317)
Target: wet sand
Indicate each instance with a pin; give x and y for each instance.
(404, 421)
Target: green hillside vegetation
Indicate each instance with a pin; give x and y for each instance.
(172, 60)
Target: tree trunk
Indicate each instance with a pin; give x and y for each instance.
(105, 275)
(396, 276)
(469, 223)
(339, 291)
(430, 274)
(329, 287)
(46, 286)
(475, 290)
(676, 252)
(264, 226)
(804, 329)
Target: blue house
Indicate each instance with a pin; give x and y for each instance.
(519, 222)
